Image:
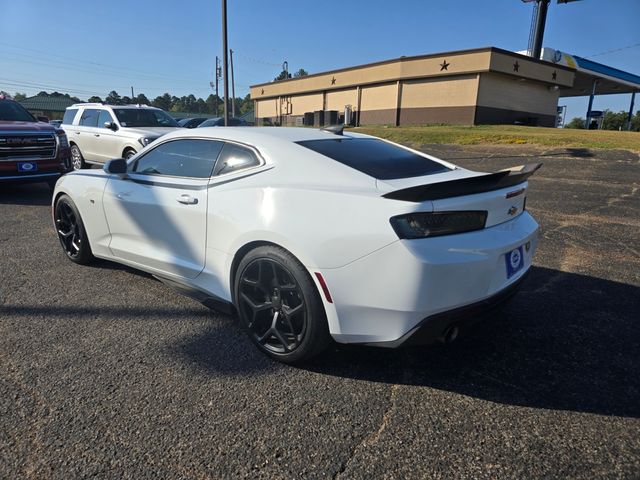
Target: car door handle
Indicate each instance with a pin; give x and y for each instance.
(77, 133)
(96, 134)
(187, 199)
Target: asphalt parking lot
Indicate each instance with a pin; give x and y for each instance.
(107, 373)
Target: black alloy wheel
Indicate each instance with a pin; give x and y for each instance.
(71, 232)
(279, 306)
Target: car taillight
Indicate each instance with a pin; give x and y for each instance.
(422, 225)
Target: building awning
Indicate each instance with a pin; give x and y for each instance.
(610, 80)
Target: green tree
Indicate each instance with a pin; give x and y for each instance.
(247, 104)
(211, 101)
(113, 98)
(201, 106)
(614, 121)
(576, 122)
(635, 122)
(283, 76)
(301, 73)
(163, 102)
(142, 99)
(94, 99)
(18, 97)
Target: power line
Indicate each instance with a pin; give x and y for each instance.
(84, 63)
(257, 60)
(79, 88)
(63, 66)
(614, 50)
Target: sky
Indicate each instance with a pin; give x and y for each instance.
(90, 47)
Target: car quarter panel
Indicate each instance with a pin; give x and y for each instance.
(86, 189)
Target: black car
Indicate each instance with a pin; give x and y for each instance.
(191, 122)
(219, 122)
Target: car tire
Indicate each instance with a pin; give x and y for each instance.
(77, 160)
(71, 231)
(128, 153)
(279, 305)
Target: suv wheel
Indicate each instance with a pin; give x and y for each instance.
(130, 152)
(77, 160)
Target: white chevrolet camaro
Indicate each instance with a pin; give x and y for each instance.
(309, 235)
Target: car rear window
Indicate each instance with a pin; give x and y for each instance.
(374, 157)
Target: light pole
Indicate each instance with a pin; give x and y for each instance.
(225, 55)
(233, 88)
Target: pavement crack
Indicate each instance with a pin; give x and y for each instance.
(373, 437)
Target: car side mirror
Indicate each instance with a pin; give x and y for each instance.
(111, 126)
(117, 166)
(43, 119)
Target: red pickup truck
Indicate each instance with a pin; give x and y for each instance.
(30, 150)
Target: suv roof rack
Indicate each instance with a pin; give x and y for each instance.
(102, 104)
(84, 104)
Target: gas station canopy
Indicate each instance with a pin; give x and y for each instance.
(608, 80)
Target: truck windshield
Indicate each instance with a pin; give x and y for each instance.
(14, 112)
(144, 117)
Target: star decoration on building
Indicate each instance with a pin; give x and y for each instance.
(516, 66)
(333, 81)
(554, 75)
(262, 92)
(444, 66)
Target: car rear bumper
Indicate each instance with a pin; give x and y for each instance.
(445, 326)
(410, 285)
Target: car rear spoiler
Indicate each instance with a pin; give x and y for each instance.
(466, 186)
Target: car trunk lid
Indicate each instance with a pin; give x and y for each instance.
(501, 194)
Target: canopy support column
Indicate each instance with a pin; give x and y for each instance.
(593, 93)
(633, 99)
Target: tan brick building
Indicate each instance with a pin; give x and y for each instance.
(479, 86)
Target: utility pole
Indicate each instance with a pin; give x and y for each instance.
(225, 49)
(233, 88)
(218, 75)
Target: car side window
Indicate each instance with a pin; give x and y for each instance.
(162, 120)
(235, 157)
(89, 117)
(104, 117)
(180, 158)
(69, 115)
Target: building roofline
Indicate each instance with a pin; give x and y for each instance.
(417, 57)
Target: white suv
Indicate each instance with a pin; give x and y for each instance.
(97, 133)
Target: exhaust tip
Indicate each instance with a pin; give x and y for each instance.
(450, 334)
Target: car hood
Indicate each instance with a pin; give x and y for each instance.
(150, 131)
(6, 126)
